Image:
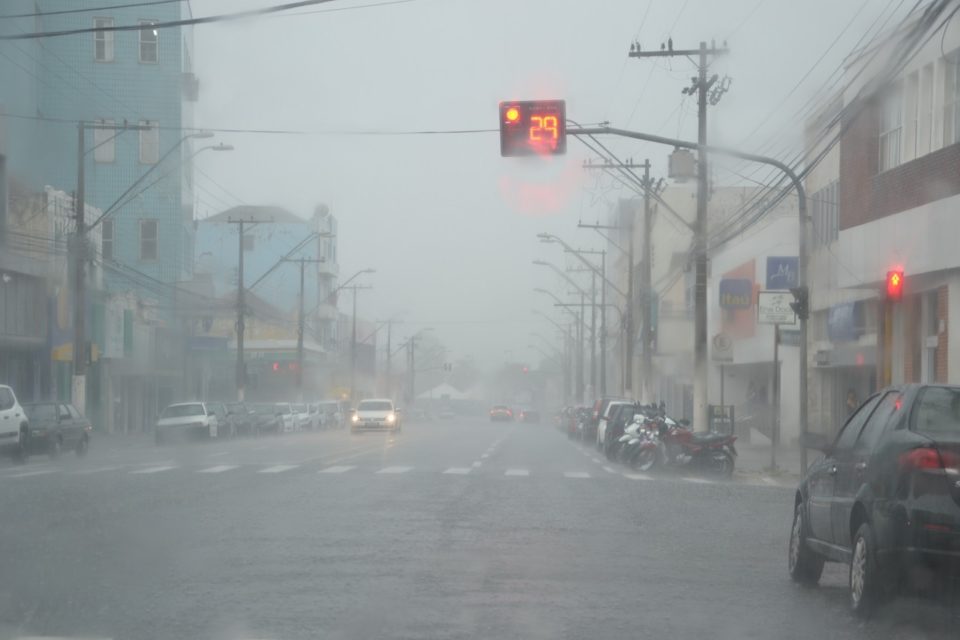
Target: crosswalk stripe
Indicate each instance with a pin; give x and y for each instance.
(28, 474)
(336, 469)
(517, 472)
(86, 472)
(152, 470)
(576, 474)
(394, 469)
(458, 471)
(700, 481)
(637, 476)
(476, 464)
(280, 468)
(220, 468)
(609, 469)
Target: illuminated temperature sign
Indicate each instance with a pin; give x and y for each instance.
(533, 127)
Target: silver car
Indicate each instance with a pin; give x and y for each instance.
(187, 421)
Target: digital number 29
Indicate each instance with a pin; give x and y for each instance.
(541, 124)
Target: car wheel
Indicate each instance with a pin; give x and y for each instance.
(82, 447)
(645, 460)
(23, 448)
(805, 566)
(867, 588)
(56, 445)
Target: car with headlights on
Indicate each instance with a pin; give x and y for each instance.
(501, 413)
(57, 427)
(375, 414)
(885, 498)
(186, 421)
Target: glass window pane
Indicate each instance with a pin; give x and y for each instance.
(852, 429)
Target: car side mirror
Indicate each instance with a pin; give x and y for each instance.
(817, 442)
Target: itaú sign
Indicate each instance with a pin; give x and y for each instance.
(736, 293)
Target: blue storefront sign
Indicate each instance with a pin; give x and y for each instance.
(736, 293)
(782, 272)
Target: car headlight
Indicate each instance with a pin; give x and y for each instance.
(355, 418)
(391, 417)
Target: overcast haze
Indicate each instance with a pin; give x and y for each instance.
(448, 223)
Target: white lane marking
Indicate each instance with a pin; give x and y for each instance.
(458, 471)
(476, 465)
(767, 480)
(337, 469)
(394, 469)
(700, 480)
(637, 476)
(485, 456)
(576, 474)
(280, 468)
(84, 472)
(60, 638)
(27, 474)
(153, 469)
(595, 459)
(609, 469)
(517, 472)
(220, 468)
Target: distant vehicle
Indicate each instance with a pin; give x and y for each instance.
(288, 417)
(885, 498)
(14, 425)
(612, 418)
(57, 427)
(187, 421)
(304, 419)
(243, 420)
(331, 414)
(376, 413)
(529, 415)
(501, 413)
(316, 417)
(592, 426)
(446, 413)
(267, 419)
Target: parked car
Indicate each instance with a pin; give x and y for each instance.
(501, 413)
(302, 413)
(287, 416)
(529, 415)
(316, 417)
(14, 425)
(331, 414)
(57, 427)
(590, 428)
(885, 498)
(187, 421)
(267, 418)
(375, 413)
(611, 413)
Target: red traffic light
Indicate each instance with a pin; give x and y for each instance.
(276, 366)
(895, 285)
(526, 370)
(533, 127)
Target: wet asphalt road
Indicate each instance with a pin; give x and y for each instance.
(455, 529)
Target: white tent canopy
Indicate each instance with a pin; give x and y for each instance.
(443, 391)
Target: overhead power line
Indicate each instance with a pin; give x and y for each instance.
(221, 17)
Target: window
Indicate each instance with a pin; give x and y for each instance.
(148, 239)
(852, 429)
(891, 127)
(149, 42)
(912, 137)
(875, 425)
(103, 40)
(74, 413)
(149, 142)
(104, 149)
(937, 412)
(951, 101)
(248, 241)
(64, 412)
(106, 240)
(824, 205)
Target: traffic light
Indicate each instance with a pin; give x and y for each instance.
(801, 302)
(525, 369)
(895, 285)
(533, 127)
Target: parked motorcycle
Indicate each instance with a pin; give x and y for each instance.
(681, 446)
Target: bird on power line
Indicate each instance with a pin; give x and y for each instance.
(670, 44)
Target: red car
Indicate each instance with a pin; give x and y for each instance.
(501, 413)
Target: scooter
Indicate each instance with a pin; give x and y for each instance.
(640, 445)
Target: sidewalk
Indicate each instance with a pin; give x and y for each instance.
(754, 459)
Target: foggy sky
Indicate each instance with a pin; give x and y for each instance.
(449, 225)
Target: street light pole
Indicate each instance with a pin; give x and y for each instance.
(301, 319)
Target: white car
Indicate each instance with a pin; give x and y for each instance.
(304, 419)
(290, 420)
(612, 410)
(188, 421)
(14, 430)
(375, 414)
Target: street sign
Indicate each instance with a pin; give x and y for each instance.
(735, 293)
(533, 127)
(722, 348)
(782, 272)
(721, 418)
(773, 307)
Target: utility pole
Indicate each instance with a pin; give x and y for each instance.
(353, 341)
(704, 89)
(300, 318)
(603, 324)
(593, 334)
(389, 336)
(241, 373)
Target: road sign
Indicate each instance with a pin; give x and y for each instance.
(722, 348)
(533, 127)
(735, 293)
(773, 307)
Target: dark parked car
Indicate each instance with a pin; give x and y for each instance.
(267, 418)
(241, 418)
(529, 415)
(885, 498)
(57, 427)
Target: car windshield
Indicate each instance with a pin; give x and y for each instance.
(41, 411)
(300, 408)
(937, 412)
(182, 410)
(264, 409)
(375, 405)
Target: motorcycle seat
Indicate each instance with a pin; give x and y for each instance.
(708, 438)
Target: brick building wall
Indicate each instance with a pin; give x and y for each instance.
(859, 162)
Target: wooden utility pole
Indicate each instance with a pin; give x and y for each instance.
(301, 317)
(241, 373)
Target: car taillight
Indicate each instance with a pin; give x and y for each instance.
(929, 459)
